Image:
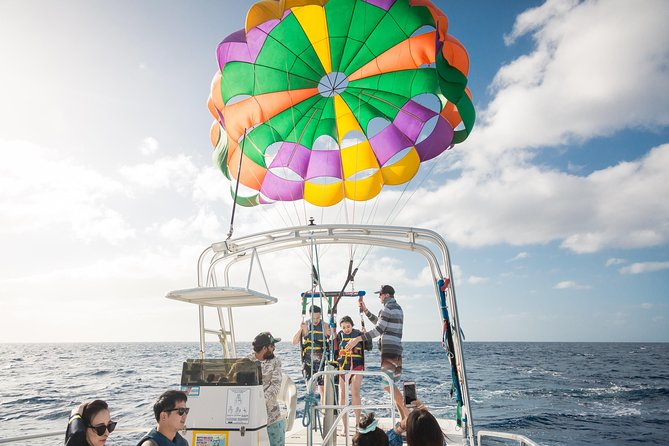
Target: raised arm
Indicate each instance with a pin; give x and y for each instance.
(372, 317)
(381, 325)
(76, 430)
(301, 332)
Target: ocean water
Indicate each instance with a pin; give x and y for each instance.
(554, 393)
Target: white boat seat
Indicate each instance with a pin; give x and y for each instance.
(288, 396)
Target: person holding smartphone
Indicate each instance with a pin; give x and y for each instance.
(421, 429)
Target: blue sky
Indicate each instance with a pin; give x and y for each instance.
(555, 208)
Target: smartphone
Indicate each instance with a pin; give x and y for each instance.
(409, 392)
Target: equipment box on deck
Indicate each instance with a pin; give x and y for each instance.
(227, 402)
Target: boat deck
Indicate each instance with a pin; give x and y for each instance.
(298, 435)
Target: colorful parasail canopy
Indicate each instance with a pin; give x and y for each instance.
(323, 100)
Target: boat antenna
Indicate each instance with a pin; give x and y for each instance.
(234, 201)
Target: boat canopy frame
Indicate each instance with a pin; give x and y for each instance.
(253, 247)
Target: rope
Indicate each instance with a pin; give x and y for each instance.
(310, 401)
(234, 201)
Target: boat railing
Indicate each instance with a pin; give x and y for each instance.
(345, 409)
(521, 439)
(59, 433)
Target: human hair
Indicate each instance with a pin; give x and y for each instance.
(375, 437)
(346, 319)
(423, 429)
(168, 400)
(91, 409)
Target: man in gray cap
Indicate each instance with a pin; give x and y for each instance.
(389, 325)
(263, 352)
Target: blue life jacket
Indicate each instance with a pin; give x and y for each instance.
(163, 440)
(313, 352)
(356, 357)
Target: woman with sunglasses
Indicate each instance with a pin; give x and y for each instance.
(90, 424)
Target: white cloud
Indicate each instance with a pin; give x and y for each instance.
(584, 78)
(147, 265)
(175, 173)
(210, 185)
(40, 188)
(647, 306)
(570, 285)
(205, 224)
(622, 206)
(457, 273)
(574, 85)
(106, 224)
(475, 280)
(149, 146)
(534, 18)
(644, 267)
(614, 261)
(520, 256)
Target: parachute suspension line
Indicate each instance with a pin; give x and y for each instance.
(370, 218)
(387, 221)
(374, 210)
(347, 218)
(344, 206)
(427, 175)
(390, 217)
(234, 201)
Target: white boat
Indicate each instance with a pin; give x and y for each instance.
(216, 292)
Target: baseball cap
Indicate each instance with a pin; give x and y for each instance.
(265, 338)
(386, 289)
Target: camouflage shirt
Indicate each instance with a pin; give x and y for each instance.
(271, 384)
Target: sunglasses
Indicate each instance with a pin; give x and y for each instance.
(101, 428)
(180, 410)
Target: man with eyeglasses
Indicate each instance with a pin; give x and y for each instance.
(171, 412)
(389, 324)
(263, 352)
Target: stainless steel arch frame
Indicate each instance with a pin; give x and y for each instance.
(425, 242)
